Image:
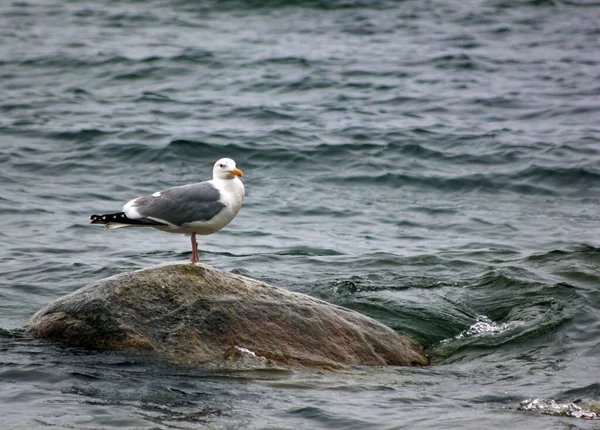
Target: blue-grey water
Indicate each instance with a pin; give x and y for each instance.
(434, 165)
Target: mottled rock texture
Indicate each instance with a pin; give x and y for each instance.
(196, 314)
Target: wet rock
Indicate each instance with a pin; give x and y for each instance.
(196, 314)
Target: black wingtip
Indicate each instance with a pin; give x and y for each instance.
(121, 218)
(107, 218)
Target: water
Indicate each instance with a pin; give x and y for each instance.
(433, 165)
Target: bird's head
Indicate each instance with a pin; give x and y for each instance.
(225, 169)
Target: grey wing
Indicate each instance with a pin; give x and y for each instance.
(181, 205)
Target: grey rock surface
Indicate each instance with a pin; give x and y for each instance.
(196, 314)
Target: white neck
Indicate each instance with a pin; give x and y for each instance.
(233, 186)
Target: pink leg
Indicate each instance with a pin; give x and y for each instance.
(195, 256)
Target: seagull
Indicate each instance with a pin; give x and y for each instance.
(200, 208)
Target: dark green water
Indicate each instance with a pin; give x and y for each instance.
(434, 165)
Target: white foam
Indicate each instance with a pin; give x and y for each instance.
(552, 407)
(483, 326)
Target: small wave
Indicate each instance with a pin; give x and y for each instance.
(72, 62)
(137, 152)
(533, 180)
(511, 307)
(195, 55)
(262, 113)
(477, 182)
(252, 153)
(433, 211)
(575, 178)
(289, 60)
(309, 4)
(561, 111)
(316, 211)
(202, 149)
(116, 17)
(402, 100)
(12, 334)
(400, 74)
(82, 135)
(582, 252)
(308, 251)
(365, 27)
(379, 259)
(154, 97)
(485, 326)
(552, 407)
(308, 83)
(150, 71)
(504, 102)
(458, 61)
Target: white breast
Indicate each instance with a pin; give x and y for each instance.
(232, 196)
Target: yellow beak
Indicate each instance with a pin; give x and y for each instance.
(237, 172)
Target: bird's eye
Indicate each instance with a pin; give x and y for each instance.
(221, 165)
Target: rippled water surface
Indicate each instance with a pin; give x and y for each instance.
(434, 165)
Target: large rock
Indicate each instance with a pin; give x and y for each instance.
(196, 314)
